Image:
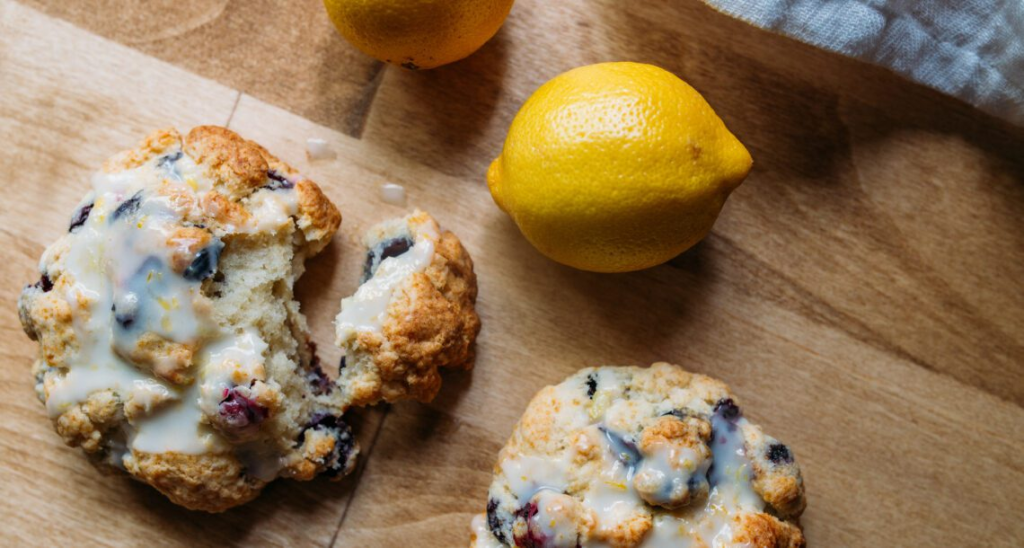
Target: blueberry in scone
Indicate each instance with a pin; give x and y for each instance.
(170, 344)
(413, 313)
(652, 457)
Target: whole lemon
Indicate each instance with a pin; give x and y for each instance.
(616, 167)
(418, 34)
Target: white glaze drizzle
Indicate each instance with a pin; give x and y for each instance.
(364, 311)
(612, 498)
(178, 429)
(528, 474)
(270, 211)
(124, 264)
(553, 520)
(731, 476)
(666, 470)
(232, 360)
(731, 493)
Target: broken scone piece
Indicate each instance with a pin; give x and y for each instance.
(170, 344)
(641, 457)
(413, 314)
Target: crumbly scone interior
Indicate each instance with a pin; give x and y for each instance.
(171, 345)
(412, 314)
(653, 457)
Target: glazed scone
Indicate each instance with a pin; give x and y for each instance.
(653, 457)
(413, 314)
(170, 344)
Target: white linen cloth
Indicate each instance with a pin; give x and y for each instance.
(971, 49)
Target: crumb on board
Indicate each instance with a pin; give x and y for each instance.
(392, 194)
(318, 149)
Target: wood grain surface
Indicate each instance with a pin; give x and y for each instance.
(862, 292)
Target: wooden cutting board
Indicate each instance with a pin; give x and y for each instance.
(862, 292)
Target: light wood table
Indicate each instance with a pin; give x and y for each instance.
(862, 292)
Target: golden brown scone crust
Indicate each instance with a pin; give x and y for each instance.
(318, 218)
(238, 167)
(779, 482)
(85, 424)
(431, 323)
(243, 165)
(765, 531)
(155, 144)
(212, 483)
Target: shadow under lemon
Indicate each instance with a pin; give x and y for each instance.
(606, 318)
(442, 115)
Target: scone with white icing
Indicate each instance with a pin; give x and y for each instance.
(413, 313)
(650, 457)
(170, 344)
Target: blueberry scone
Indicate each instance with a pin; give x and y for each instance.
(653, 457)
(412, 314)
(170, 344)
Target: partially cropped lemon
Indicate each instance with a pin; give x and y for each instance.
(616, 167)
(418, 34)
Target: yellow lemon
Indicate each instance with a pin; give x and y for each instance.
(418, 34)
(616, 167)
